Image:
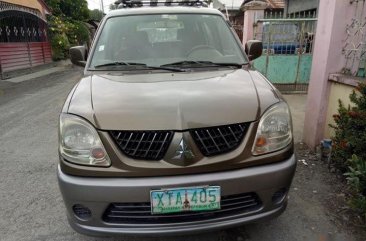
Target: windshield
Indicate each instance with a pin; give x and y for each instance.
(166, 39)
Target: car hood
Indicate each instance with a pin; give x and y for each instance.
(168, 101)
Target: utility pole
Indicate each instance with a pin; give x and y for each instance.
(102, 5)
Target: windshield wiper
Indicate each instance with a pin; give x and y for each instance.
(239, 65)
(116, 63)
(202, 63)
(188, 62)
(165, 68)
(123, 63)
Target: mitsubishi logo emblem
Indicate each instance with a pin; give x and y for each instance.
(183, 151)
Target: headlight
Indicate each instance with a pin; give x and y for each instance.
(274, 130)
(80, 142)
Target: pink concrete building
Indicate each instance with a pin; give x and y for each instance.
(338, 63)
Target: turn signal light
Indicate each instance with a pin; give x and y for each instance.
(98, 153)
(261, 141)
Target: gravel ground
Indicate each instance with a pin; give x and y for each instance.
(31, 206)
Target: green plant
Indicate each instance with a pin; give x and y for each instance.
(356, 177)
(348, 151)
(58, 38)
(64, 34)
(78, 33)
(358, 202)
(350, 129)
(60, 46)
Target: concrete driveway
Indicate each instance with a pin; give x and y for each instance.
(297, 103)
(31, 206)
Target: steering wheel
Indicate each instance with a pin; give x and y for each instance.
(199, 47)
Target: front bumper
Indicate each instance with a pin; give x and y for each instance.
(98, 193)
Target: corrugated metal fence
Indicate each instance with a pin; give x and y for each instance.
(23, 38)
(15, 56)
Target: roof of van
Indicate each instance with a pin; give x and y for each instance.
(162, 10)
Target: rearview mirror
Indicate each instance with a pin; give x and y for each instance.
(253, 48)
(78, 55)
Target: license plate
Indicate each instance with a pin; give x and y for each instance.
(185, 199)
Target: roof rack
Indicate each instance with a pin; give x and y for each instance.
(154, 3)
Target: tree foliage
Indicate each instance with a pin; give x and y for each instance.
(72, 9)
(96, 14)
(112, 6)
(75, 9)
(66, 25)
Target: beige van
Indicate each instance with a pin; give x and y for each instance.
(171, 130)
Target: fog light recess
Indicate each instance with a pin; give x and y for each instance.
(279, 196)
(82, 212)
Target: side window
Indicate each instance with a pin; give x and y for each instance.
(103, 44)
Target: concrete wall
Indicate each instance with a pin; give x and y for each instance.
(333, 17)
(250, 16)
(301, 5)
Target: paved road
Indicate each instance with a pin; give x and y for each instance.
(31, 207)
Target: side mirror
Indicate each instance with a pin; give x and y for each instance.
(78, 55)
(253, 48)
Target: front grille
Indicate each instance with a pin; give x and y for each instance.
(140, 213)
(218, 140)
(147, 145)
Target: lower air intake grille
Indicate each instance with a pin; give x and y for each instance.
(147, 145)
(218, 140)
(140, 213)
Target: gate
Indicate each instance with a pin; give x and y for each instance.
(23, 38)
(287, 50)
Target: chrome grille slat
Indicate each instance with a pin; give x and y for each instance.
(233, 134)
(223, 137)
(220, 139)
(241, 128)
(148, 149)
(118, 135)
(157, 154)
(128, 141)
(140, 212)
(139, 143)
(147, 145)
(213, 140)
(200, 140)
